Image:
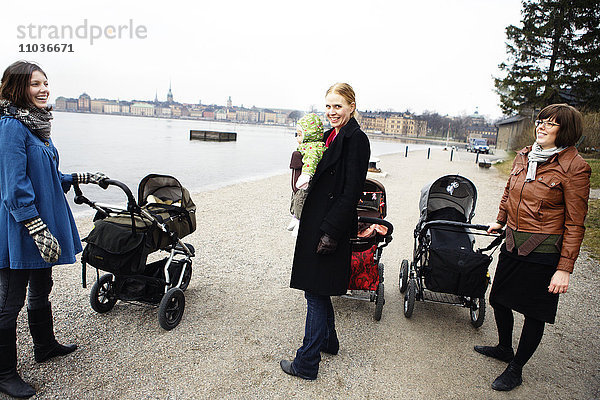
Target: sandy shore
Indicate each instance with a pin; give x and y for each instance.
(241, 317)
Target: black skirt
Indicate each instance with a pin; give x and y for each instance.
(523, 286)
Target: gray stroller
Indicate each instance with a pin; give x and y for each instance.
(445, 267)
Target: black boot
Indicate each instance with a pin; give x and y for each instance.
(509, 379)
(499, 352)
(10, 381)
(41, 327)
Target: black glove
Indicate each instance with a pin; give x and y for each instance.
(327, 245)
(44, 240)
(87, 177)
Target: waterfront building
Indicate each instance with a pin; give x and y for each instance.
(208, 113)
(84, 103)
(112, 107)
(253, 115)
(163, 111)
(392, 123)
(230, 114)
(281, 118)
(142, 109)
(125, 107)
(71, 104)
(196, 112)
(97, 105)
(242, 114)
(60, 104)
(221, 114)
(268, 116)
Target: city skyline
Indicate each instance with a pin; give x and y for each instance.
(436, 56)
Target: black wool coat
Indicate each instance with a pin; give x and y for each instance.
(330, 207)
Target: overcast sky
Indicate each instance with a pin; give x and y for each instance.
(437, 55)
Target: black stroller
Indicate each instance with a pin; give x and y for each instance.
(445, 268)
(366, 279)
(122, 239)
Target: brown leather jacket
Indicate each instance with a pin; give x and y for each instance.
(555, 203)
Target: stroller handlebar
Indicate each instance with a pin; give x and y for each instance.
(105, 183)
(429, 224)
(378, 221)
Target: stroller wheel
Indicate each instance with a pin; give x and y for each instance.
(171, 309)
(379, 302)
(409, 298)
(477, 311)
(403, 281)
(102, 298)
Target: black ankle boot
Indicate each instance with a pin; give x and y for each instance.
(499, 352)
(10, 381)
(509, 379)
(41, 327)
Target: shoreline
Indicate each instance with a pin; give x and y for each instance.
(241, 317)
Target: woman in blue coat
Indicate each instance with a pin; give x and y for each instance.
(329, 219)
(37, 229)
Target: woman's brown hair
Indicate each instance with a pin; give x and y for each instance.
(570, 121)
(15, 83)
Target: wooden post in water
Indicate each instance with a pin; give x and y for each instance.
(428, 152)
(213, 136)
(406, 152)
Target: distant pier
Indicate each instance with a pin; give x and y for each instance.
(213, 136)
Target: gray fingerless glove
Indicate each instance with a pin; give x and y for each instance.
(327, 245)
(88, 177)
(44, 240)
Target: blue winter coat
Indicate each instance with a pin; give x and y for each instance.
(32, 185)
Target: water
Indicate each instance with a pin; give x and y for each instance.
(128, 148)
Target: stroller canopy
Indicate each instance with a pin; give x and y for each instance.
(373, 198)
(448, 192)
(165, 188)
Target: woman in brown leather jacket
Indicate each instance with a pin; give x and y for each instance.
(543, 208)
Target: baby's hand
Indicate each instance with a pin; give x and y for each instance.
(302, 182)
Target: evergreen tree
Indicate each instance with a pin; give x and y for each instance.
(553, 58)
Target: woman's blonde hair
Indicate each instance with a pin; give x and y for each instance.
(347, 93)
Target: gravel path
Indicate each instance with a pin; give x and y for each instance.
(241, 317)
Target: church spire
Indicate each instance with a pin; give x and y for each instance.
(170, 94)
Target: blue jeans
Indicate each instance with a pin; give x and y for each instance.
(319, 331)
(13, 287)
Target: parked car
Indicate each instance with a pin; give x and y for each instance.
(478, 145)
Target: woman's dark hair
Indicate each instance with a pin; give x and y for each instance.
(15, 83)
(570, 121)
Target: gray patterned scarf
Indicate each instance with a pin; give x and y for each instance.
(539, 155)
(36, 119)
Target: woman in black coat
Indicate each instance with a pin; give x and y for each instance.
(322, 257)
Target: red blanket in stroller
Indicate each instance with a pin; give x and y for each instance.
(365, 273)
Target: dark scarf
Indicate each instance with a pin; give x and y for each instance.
(37, 120)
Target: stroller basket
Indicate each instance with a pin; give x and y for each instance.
(457, 271)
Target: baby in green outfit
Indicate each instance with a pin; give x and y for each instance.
(309, 131)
